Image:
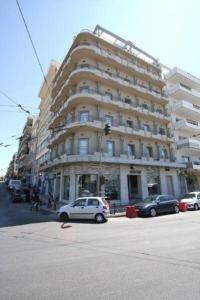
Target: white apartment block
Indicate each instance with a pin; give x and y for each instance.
(106, 79)
(184, 90)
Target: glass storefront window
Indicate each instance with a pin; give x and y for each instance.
(112, 186)
(66, 187)
(86, 185)
(153, 183)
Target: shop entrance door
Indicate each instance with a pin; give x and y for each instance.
(133, 186)
(170, 188)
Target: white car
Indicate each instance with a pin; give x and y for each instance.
(14, 184)
(193, 200)
(94, 208)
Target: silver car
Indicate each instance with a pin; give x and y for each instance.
(94, 208)
(192, 199)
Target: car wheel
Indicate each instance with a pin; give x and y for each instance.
(64, 217)
(99, 218)
(176, 209)
(196, 206)
(152, 212)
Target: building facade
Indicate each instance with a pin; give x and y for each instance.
(105, 79)
(184, 90)
(24, 159)
(43, 132)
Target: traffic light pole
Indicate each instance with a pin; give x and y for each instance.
(100, 165)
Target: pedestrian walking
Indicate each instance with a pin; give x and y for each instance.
(56, 199)
(50, 200)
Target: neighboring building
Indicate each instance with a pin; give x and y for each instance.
(24, 159)
(184, 89)
(43, 133)
(106, 79)
(33, 149)
(12, 169)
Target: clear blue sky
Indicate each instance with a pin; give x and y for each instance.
(169, 30)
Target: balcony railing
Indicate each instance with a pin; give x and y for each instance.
(135, 83)
(125, 62)
(116, 126)
(119, 101)
(124, 81)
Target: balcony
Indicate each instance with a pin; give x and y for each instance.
(116, 102)
(191, 127)
(93, 72)
(194, 165)
(100, 53)
(189, 143)
(97, 124)
(95, 157)
(177, 75)
(184, 109)
(179, 91)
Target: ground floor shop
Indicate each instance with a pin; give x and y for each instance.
(121, 183)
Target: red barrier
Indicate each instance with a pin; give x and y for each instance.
(183, 207)
(131, 212)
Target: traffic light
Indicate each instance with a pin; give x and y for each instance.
(107, 129)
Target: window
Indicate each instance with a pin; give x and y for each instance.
(153, 183)
(131, 150)
(146, 127)
(162, 131)
(66, 187)
(84, 89)
(86, 185)
(83, 146)
(129, 123)
(164, 153)
(80, 202)
(68, 146)
(198, 196)
(111, 148)
(109, 120)
(127, 100)
(149, 151)
(145, 106)
(108, 95)
(93, 202)
(112, 186)
(84, 116)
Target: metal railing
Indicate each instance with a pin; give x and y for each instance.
(133, 82)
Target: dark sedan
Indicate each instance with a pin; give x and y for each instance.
(157, 204)
(18, 195)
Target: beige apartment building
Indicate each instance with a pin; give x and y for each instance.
(184, 90)
(106, 79)
(42, 131)
(24, 159)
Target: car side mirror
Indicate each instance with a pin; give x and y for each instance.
(157, 201)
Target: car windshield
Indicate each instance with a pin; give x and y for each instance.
(188, 196)
(150, 198)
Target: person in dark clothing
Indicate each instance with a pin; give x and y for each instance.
(50, 200)
(36, 202)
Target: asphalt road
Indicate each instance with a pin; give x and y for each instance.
(143, 258)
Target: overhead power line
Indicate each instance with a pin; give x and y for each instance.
(13, 101)
(33, 46)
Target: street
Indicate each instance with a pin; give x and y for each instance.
(142, 258)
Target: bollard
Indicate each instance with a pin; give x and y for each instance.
(131, 212)
(183, 207)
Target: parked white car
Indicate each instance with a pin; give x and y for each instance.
(193, 200)
(94, 208)
(14, 184)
